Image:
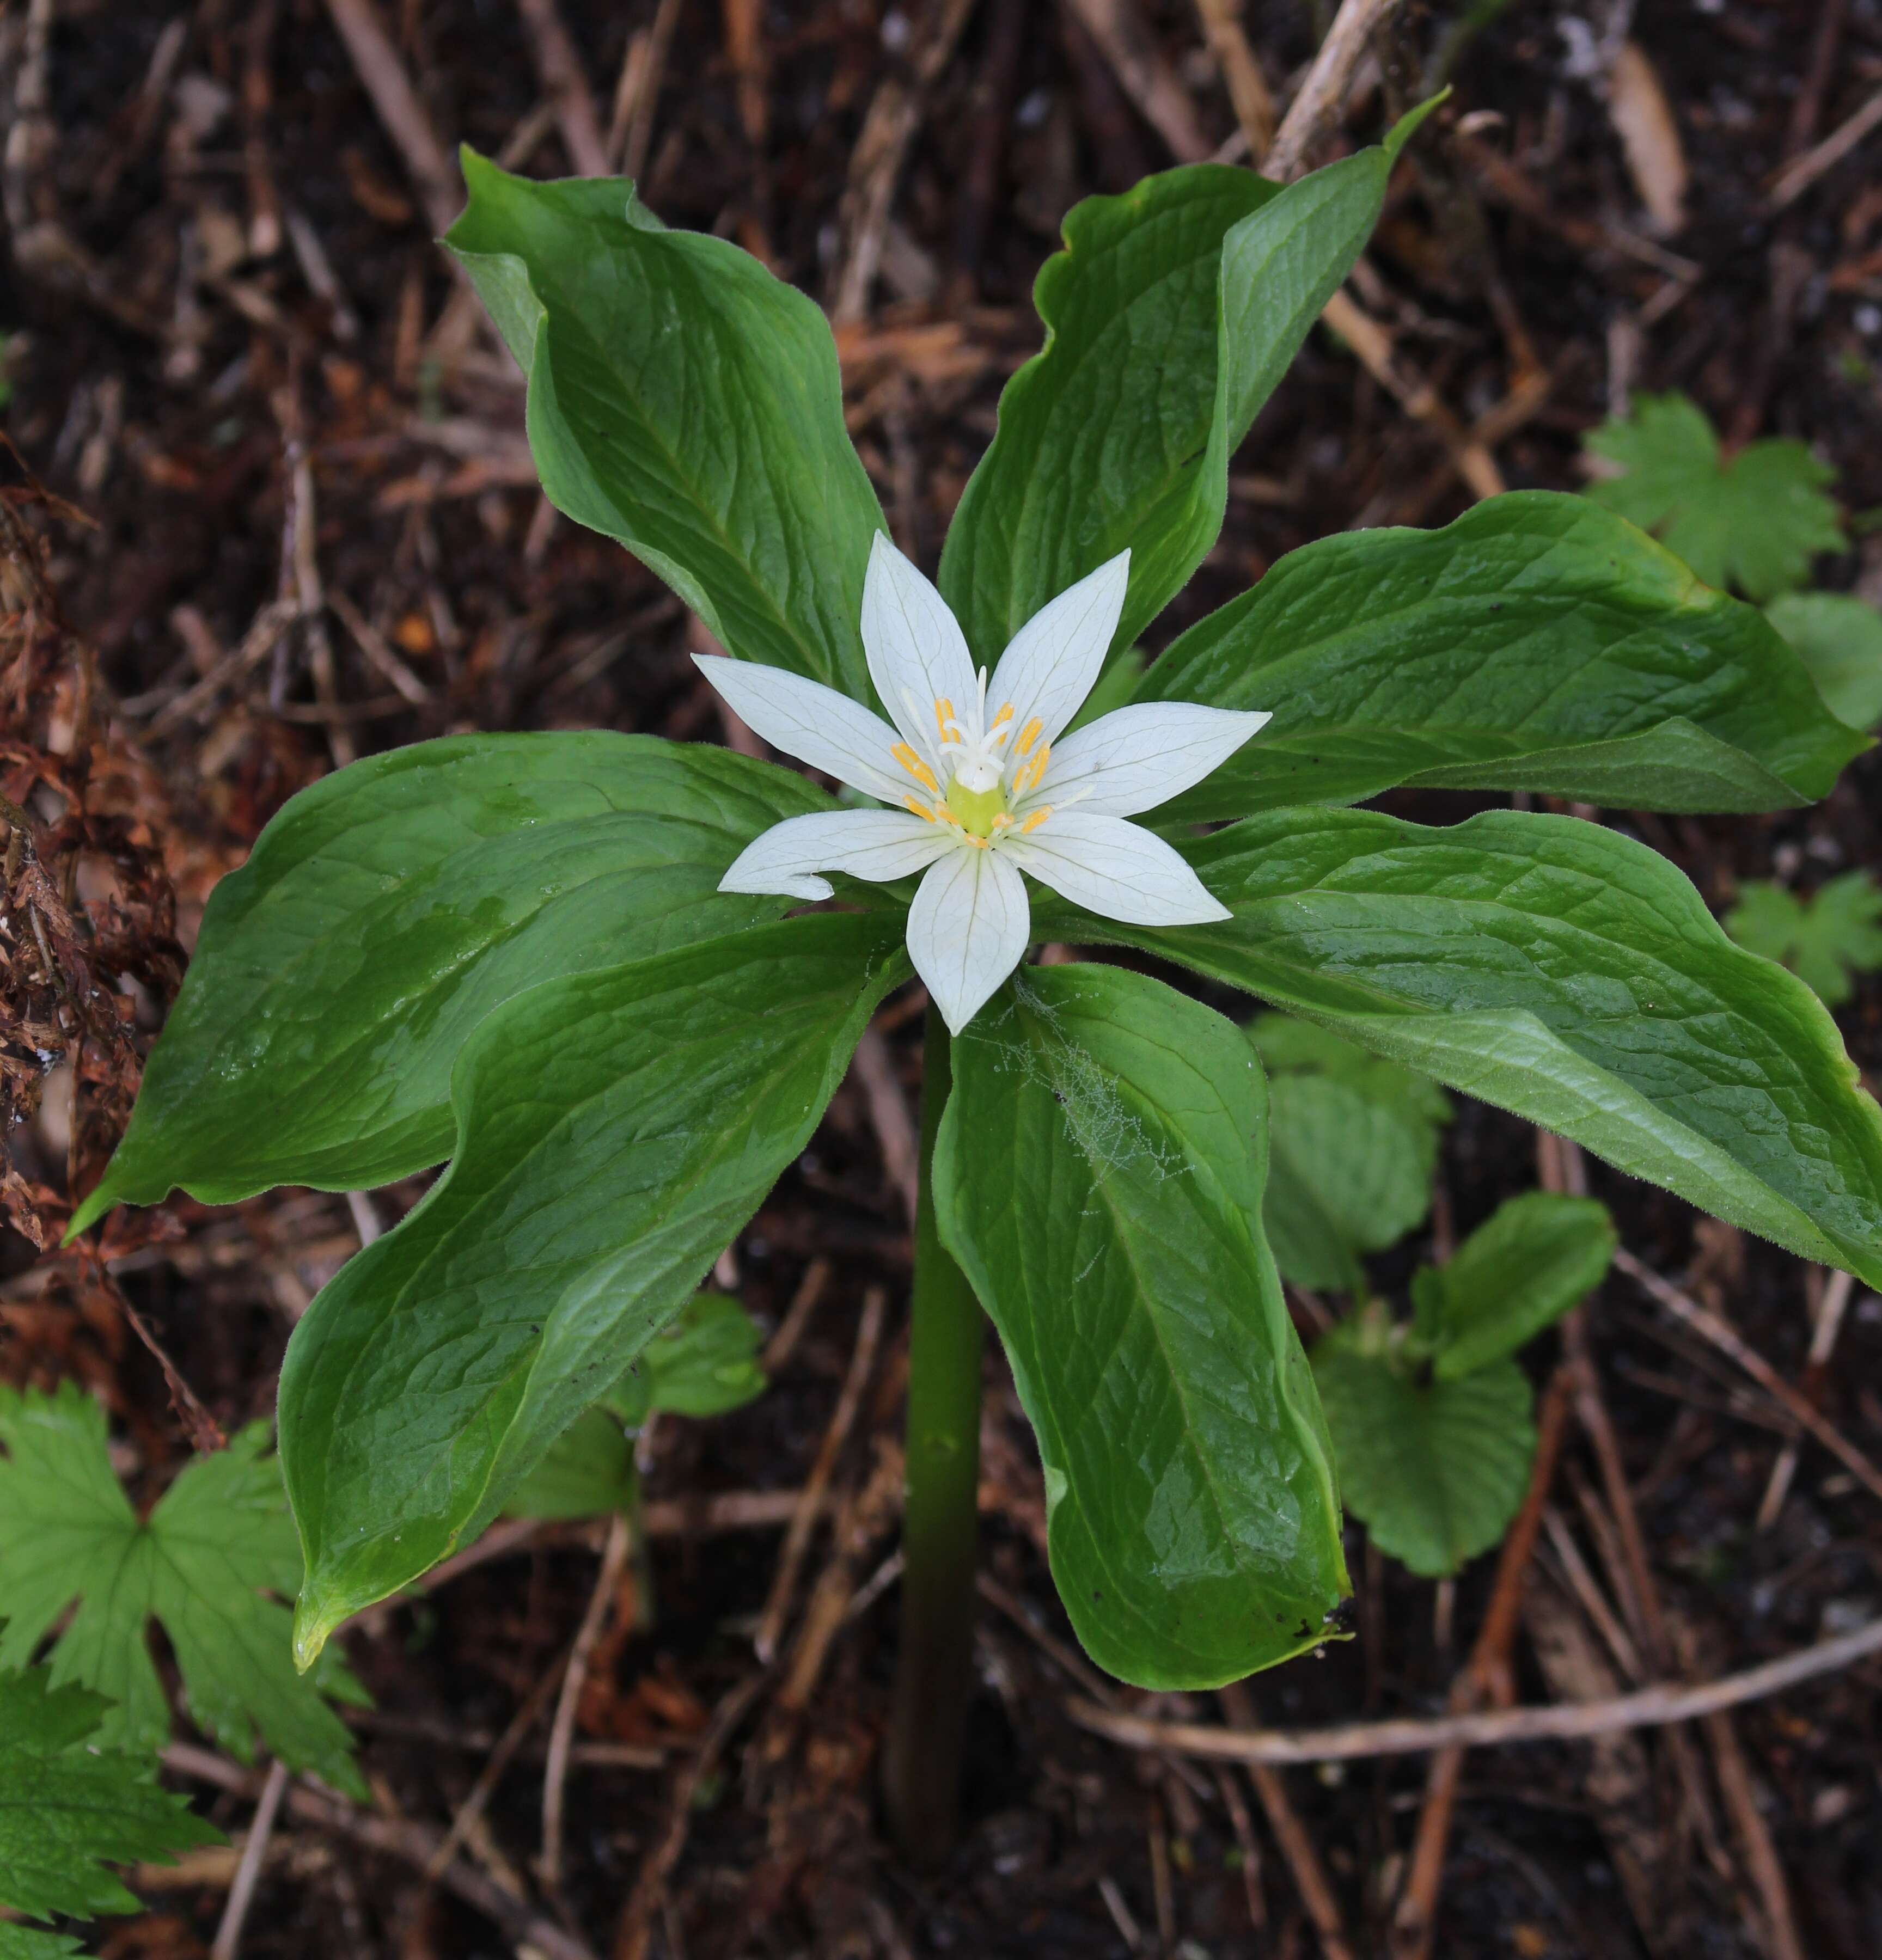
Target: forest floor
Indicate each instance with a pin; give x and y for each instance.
(291, 514)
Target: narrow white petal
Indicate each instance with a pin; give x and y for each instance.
(812, 722)
(1115, 869)
(1137, 757)
(915, 646)
(967, 931)
(1055, 658)
(878, 845)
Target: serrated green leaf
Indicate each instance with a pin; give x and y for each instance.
(1098, 1175)
(1564, 972)
(385, 911)
(1436, 1470)
(69, 1807)
(1532, 1259)
(1354, 1149)
(22, 1942)
(1537, 643)
(686, 403)
(616, 1129)
(1838, 638)
(1824, 941)
(1755, 522)
(219, 1539)
(1169, 317)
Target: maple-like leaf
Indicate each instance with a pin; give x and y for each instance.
(1824, 940)
(1755, 522)
(220, 1540)
(68, 1808)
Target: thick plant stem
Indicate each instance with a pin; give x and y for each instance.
(934, 1669)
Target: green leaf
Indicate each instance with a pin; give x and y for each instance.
(1824, 941)
(1353, 1150)
(219, 1539)
(1537, 643)
(1838, 638)
(1565, 972)
(683, 401)
(1437, 1470)
(616, 1129)
(1098, 1175)
(388, 909)
(1169, 317)
(1532, 1260)
(21, 1942)
(1755, 522)
(704, 1364)
(69, 1805)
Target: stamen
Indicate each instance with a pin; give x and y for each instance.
(944, 815)
(1029, 773)
(925, 811)
(919, 769)
(944, 717)
(1003, 822)
(1038, 817)
(1002, 724)
(1030, 734)
(979, 843)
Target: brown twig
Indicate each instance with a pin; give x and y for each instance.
(1727, 1340)
(404, 116)
(797, 1540)
(1137, 60)
(503, 1752)
(631, 130)
(1313, 109)
(567, 87)
(1241, 73)
(1831, 1306)
(561, 1733)
(890, 1117)
(1796, 178)
(204, 1431)
(1492, 1728)
(228, 1932)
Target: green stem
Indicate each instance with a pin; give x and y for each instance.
(939, 1519)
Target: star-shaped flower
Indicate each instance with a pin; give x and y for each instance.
(977, 797)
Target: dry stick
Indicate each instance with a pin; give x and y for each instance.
(1244, 1826)
(1761, 1854)
(1296, 1846)
(560, 68)
(228, 1934)
(1410, 1735)
(1135, 58)
(804, 1303)
(260, 640)
(402, 1838)
(890, 1116)
(399, 108)
(796, 1541)
(204, 1432)
(499, 1759)
(556, 1774)
(631, 129)
(1241, 71)
(875, 164)
(1795, 179)
(1487, 1671)
(1725, 1338)
(1325, 89)
(1830, 1309)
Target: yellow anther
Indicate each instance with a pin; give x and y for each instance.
(1002, 821)
(943, 815)
(1038, 817)
(1002, 718)
(924, 810)
(1032, 770)
(1029, 735)
(943, 715)
(979, 843)
(919, 769)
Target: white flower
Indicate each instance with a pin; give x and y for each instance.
(976, 798)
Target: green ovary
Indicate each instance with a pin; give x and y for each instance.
(976, 809)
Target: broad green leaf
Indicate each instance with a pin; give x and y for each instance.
(218, 1540)
(1098, 1175)
(1824, 940)
(1838, 638)
(69, 1804)
(1436, 1470)
(1532, 1260)
(587, 1471)
(615, 1130)
(683, 401)
(1565, 972)
(1755, 522)
(22, 1942)
(1537, 643)
(1169, 317)
(1352, 1152)
(385, 911)
(704, 1364)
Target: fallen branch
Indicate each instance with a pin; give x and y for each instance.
(1650, 1708)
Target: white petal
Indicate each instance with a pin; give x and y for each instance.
(812, 722)
(916, 646)
(1135, 757)
(1055, 658)
(1115, 869)
(878, 844)
(967, 931)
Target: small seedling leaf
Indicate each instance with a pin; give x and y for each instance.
(1824, 940)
